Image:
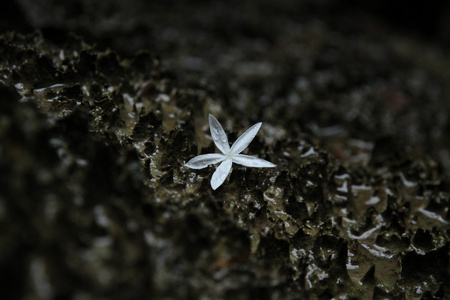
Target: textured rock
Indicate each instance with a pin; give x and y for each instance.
(97, 203)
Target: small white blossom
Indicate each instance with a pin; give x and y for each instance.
(228, 155)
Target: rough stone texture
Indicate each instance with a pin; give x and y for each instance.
(95, 202)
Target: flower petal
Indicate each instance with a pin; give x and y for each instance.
(204, 160)
(221, 173)
(252, 161)
(245, 139)
(218, 134)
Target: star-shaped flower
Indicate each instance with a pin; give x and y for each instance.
(228, 155)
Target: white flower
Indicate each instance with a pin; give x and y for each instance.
(228, 155)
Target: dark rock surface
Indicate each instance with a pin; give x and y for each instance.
(103, 102)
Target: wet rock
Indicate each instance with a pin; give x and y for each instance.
(98, 202)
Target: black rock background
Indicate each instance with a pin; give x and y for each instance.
(103, 102)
